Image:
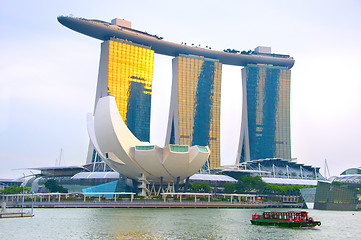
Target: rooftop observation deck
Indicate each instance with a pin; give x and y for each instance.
(104, 31)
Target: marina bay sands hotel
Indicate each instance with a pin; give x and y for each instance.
(126, 73)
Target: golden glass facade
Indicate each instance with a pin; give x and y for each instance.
(126, 73)
(198, 82)
(130, 75)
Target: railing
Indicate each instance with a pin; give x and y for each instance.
(118, 200)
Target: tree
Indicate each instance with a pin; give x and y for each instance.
(247, 52)
(250, 184)
(206, 188)
(228, 50)
(201, 187)
(14, 190)
(53, 186)
(285, 190)
(229, 188)
(336, 183)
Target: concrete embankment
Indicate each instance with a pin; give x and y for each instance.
(15, 215)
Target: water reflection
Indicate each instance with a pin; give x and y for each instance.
(137, 235)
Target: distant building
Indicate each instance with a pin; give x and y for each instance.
(352, 171)
(6, 183)
(276, 171)
(194, 115)
(76, 179)
(213, 180)
(351, 177)
(265, 129)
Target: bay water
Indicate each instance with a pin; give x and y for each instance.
(171, 224)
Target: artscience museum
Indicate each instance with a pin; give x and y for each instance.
(126, 154)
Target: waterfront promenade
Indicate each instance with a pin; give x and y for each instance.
(152, 204)
(169, 200)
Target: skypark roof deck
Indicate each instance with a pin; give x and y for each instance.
(104, 31)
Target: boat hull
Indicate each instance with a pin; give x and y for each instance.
(295, 224)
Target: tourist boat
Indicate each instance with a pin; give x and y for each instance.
(285, 219)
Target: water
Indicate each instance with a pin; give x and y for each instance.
(170, 224)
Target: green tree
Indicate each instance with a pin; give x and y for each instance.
(200, 188)
(206, 188)
(229, 188)
(285, 190)
(53, 186)
(336, 183)
(14, 190)
(250, 184)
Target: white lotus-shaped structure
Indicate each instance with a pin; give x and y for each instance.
(121, 150)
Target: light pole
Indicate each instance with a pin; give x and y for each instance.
(32, 203)
(22, 202)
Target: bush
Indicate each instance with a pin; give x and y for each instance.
(156, 197)
(217, 199)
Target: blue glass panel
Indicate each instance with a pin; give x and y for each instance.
(172, 138)
(138, 111)
(203, 105)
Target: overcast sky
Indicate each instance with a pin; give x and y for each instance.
(48, 73)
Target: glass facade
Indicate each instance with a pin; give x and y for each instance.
(144, 148)
(177, 148)
(332, 196)
(265, 131)
(195, 106)
(126, 73)
(351, 171)
(130, 75)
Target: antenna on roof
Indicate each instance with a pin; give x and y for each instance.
(61, 157)
(328, 170)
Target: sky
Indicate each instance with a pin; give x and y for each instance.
(48, 73)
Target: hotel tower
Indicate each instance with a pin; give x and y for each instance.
(265, 128)
(126, 73)
(194, 115)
